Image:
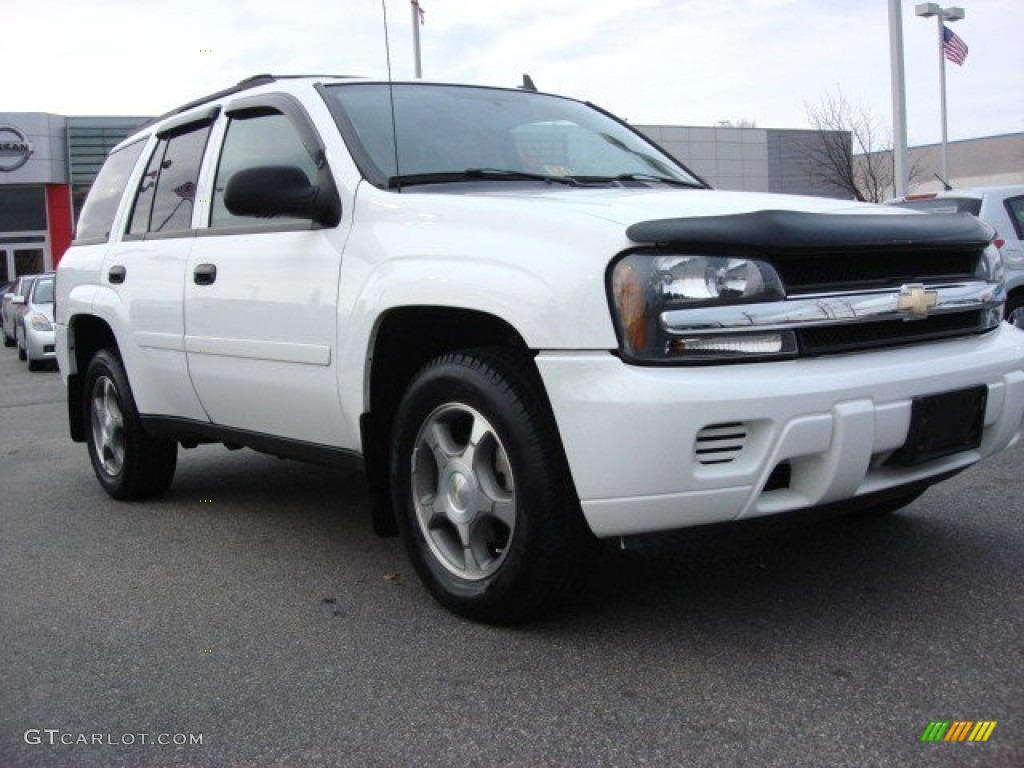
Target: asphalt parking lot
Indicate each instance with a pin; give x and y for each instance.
(250, 618)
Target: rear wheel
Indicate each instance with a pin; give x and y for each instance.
(481, 489)
(128, 463)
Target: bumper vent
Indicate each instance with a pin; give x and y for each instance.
(720, 443)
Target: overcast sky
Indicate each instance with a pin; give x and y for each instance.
(678, 62)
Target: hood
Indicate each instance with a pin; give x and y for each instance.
(629, 206)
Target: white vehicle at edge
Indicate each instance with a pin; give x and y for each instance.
(1002, 208)
(530, 327)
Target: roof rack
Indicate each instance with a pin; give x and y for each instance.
(242, 85)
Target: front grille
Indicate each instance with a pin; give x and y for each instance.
(887, 333)
(865, 270)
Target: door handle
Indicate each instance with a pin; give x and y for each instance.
(116, 274)
(205, 274)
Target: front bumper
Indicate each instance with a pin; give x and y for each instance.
(636, 437)
(40, 345)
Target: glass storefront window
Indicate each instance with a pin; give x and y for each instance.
(28, 261)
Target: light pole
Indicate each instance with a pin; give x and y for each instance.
(941, 15)
(899, 100)
(417, 19)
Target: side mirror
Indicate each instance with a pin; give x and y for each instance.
(281, 190)
(17, 299)
(8, 296)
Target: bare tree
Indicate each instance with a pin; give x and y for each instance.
(853, 151)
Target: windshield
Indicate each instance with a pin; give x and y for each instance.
(445, 131)
(43, 291)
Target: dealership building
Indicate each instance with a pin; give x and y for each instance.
(48, 162)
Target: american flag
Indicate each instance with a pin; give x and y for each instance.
(419, 11)
(953, 46)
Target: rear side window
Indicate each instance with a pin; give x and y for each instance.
(101, 205)
(167, 191)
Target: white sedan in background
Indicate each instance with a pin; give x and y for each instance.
(34, 332)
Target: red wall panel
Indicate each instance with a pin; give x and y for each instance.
(58, 216)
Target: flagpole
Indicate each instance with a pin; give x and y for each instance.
(416, 37)
(899, 100)
(942, 91)
(942, 15)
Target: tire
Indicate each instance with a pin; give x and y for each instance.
(21, 350)
(481, 489)
(8, 341)
(33, 365)
(1014, 313)
(128, 463)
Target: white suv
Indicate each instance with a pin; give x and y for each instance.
(529, 325)
(1000, 207)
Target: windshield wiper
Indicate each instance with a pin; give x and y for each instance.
(475, 174)
(647, 177)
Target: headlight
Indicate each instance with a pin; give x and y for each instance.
(645, 286)
(39, 322)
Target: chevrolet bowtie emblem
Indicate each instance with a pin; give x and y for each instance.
(916, 301)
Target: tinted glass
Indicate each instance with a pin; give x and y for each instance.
(22, 209)
(101, 205)
(168, 189)
(143, 206)
(451, 129)
(267, 139)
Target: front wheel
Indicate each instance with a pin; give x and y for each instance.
(481, 489)
(1015, 311)
(128, 463)
(33, 364)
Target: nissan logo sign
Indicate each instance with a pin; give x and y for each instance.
(15, 148)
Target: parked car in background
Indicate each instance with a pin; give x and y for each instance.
(1003, 209)
(10, 309)
(34, 329)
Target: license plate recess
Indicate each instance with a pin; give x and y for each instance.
(943, 424)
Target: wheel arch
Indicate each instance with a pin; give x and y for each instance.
(1014, 300)
(404, 340)
(87, 335)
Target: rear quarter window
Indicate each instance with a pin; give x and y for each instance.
(1015, 207)
(97, 217)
